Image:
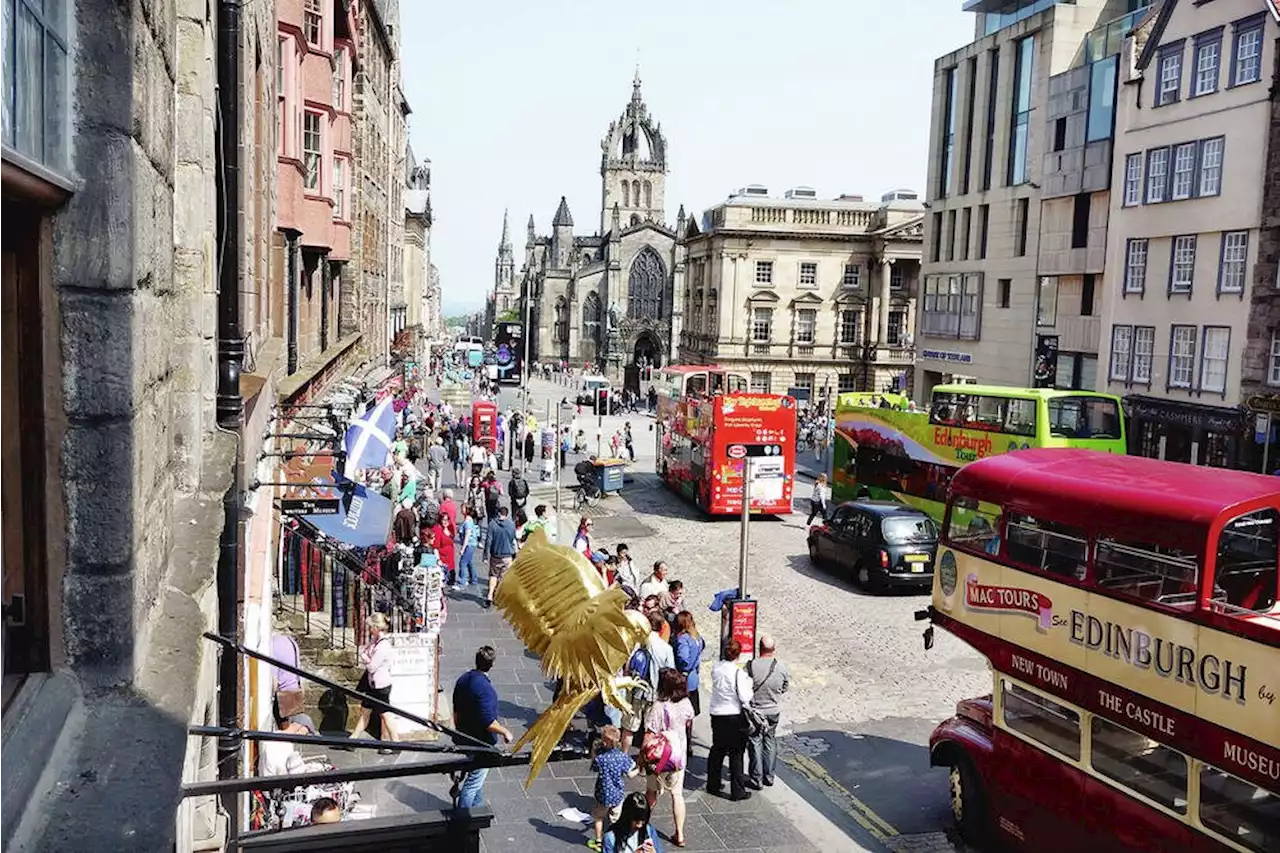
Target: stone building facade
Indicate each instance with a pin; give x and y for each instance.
(397, 293)
(1017, 191)
(423, 305)
(377, 114)
(114, 470)
(1186, 229)
(802, 292)
(608, 299)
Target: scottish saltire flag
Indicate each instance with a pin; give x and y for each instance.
(368, 439)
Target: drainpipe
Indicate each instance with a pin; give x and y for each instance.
(230, 406)
(291, 301)
(326, 275)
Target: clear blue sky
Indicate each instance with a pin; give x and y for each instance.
(511, 98)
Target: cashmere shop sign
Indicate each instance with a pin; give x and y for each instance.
(414, 677)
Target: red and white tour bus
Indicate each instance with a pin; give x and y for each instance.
(1128, 608)
(710, 428)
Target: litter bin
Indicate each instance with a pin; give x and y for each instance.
(609, 475)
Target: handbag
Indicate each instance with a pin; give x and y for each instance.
(751, 721)
(288, 703)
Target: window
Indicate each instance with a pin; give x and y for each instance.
(1046, 546)
(947, 143)
(1102, 99)
(1245, 572)
(969, 527)
(897, 319)
(1238, 810)
(1273, 366)
(1146, 572)
(936, 250)
(897, 277)
(1246, 66)
(1047, 303)
(1020, 417)
(1182, 356)
(646, 286)
(1086, 296)
(1208, 55)
(1144, 342)
(312, 152)
(951, 235)
(1083, 416)
(1235, 249)
(762, 325)
(764, 272)
(846, 383)
(1121, 350)
(1182, 270)
(339, 188)
(591, 312)
(1132, 179)
(971, 308)
(852, 275)
(1004, 291)
(1139, 763)
(808, 274)
(850, 323)
(1213, 359)
(966, 225)
(971, 73)
(339, 78)
(1060, 134)
(1169, 80)
(806, 323)
(1020, 131)
(560, 333)
(36, 76)
(1184, 167)
(1021, 213)
(984, 224)
(804, 380)
(313, 21)
(761, 383)
(1157, 174)
(993, 91)
(1211, 166)
(1135, 266)
(1080, 221)
(1041, 720)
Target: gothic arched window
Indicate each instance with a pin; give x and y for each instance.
(561, 331)
(635, 193)
(648, 194)
(626, 194)
(591, 318)
(646, 286)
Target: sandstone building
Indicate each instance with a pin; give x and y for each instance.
(804, 293)
(607, 298)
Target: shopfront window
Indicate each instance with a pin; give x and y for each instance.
(36, 75)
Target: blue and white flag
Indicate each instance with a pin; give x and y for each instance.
(368, 440)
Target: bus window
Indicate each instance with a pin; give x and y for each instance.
(1020, 417)
(944, 410)
(1084, 417)
(1245, 572)
(1239, 810)
(985, 413)
(1043, 720)
(1048, 546)
(1139, 763)
(1147, 572)
(737, 384)
(973, 528)
(696, 385)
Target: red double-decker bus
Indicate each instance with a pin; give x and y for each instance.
(711, 428)
(1129, 610)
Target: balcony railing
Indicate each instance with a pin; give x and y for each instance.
(755, 348)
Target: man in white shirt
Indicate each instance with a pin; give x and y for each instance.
(656, 583)
(478, 455)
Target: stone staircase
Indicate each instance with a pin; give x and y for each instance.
(332, 656)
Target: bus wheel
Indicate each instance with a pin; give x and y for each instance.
(967, 801)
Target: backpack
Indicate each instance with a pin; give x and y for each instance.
(493, 492)
(428, 513)
(519, 489)
(638, 666)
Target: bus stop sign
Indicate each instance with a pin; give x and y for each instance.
(758, 450)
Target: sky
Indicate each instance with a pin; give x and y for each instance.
(511, 98)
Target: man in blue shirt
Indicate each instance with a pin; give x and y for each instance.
(502, 549)
(475, 713)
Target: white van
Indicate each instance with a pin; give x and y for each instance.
(590, 385)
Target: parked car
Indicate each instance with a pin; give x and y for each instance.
(878, 544)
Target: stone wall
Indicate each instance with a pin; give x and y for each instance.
(1264, 312)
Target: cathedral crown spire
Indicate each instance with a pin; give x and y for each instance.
(506, 235)
(563, 217)
(635, 89)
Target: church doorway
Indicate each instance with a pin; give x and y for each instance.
(646, 357)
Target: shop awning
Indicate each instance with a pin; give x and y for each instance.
(363, 519)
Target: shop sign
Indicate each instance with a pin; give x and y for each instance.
(947, 355)
(1222, 421)
(309, 506)
(1046, 367)
(1264, 403)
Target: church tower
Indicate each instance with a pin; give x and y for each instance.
(633, 168)
(504, 272)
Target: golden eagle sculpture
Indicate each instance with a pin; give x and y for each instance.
(559, 607)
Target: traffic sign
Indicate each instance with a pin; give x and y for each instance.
(737, 451)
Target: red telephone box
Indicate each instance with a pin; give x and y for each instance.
(484, 424)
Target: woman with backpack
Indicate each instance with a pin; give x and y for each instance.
(688, 647)
(665, 747)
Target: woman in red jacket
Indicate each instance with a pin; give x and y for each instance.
(442, 540)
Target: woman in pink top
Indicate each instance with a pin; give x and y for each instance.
(669, 718)
(376, 681)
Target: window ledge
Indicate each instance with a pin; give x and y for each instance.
(25, 177)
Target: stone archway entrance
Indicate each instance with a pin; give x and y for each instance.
(646, 357)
